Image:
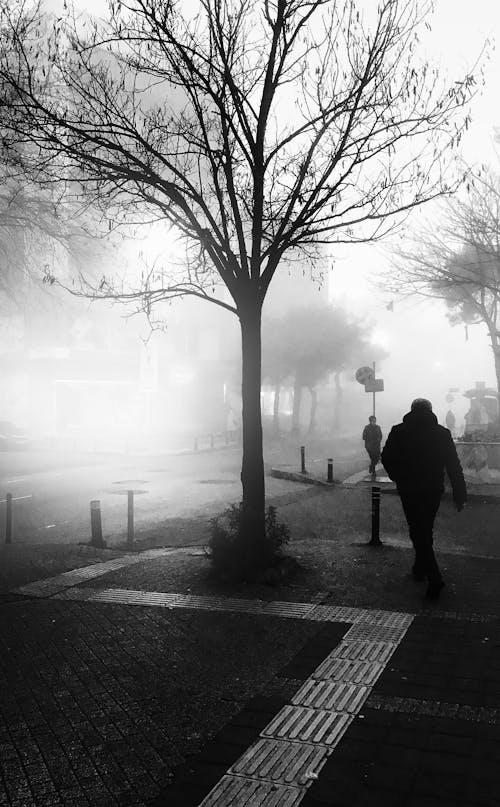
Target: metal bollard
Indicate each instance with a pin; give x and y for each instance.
(130, 517)
(212, 441)
(196, 444)
(95, 523)
(375, 539)
(8, 519)
(329, 477)
(303, 460)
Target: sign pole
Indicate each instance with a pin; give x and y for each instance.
(373, 393)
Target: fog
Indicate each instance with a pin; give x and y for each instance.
(77, 375)
(89, 376)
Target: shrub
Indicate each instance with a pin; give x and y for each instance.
(233, 553)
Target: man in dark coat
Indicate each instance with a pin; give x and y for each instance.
(415, 456)
(372, 435)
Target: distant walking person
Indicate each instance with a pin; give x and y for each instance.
(372, 435)
(415, 456)
(450, 422)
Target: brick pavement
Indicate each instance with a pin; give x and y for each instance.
(89, 716)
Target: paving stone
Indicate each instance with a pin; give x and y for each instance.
(383, 749)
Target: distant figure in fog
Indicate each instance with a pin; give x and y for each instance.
(450, 422)
(372, 435)
(415, 456)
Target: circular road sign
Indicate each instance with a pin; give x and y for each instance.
(364, 375)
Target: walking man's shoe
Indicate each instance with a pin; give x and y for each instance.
(434, 590)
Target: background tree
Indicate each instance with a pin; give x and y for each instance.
(306, 345)
(256, 129)
(458, 260)
(276, 365)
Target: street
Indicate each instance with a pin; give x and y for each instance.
(51, 493)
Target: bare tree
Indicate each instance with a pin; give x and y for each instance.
(40, 228)
(458, 260)
(258, 129)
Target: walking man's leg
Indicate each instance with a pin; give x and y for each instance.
(420, 508)
(374, 459)
(430, 506)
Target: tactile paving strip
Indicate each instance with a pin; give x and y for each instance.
(281, 762)
(237, 791)
(354, 672)
(53, 585)
(318, 715)
(375, 633)
(334, 613)
(388, 619)
(120, 596)
(296, 610)
(308, 725)
(360, 650)
(338, 696)
(220, 603)
(276, 770)
(366, 641)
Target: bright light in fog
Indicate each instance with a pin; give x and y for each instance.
(182, 375)
(380, 338)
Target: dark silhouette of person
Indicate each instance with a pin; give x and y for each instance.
(372, 435)
(415, 456)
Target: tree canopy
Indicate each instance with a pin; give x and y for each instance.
(308, 343)
(254, 128)
(457, 259)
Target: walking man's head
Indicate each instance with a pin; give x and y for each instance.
(421, 405)
(372, 419)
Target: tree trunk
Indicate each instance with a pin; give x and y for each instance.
(496, 353)
(297, 397)
(314, 407)
(339, 395)
(276, 409)
(252, 469)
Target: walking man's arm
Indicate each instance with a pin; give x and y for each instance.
(455, 473)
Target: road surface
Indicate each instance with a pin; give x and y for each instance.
(52, 492)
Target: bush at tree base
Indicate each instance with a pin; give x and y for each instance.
(234, 553)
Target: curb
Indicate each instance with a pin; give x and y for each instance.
(307, 479)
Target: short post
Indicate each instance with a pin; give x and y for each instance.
(212, 441)
(8, 519)
(196, 444)
(95, 523)
(329, 477)
(375, 539)
(130, 517)
(303, 460)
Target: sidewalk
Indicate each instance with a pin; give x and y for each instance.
(123, 683)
